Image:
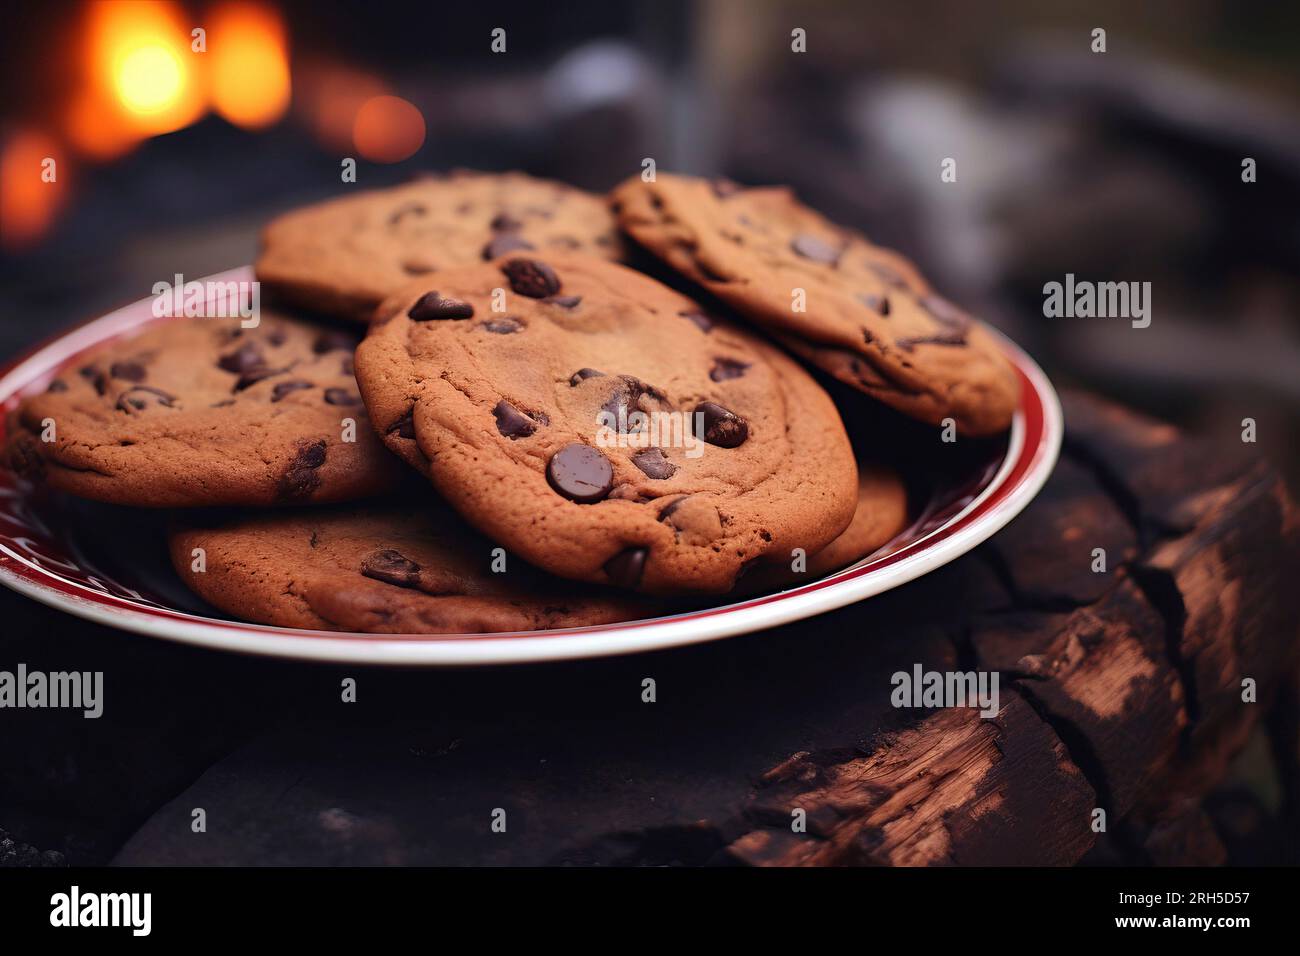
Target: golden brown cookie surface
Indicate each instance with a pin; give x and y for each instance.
(880, 516)
(193, 412)
(603, 427)
(411, 567)
(345, 255)
(858, 311)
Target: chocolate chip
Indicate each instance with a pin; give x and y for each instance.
(139, 397)
(300, 478)
(582, 374)
(244, 359)
(626, 567)
(531, 277)
(340, 396)
(703, 321)
(888, 274)
(725, 368)
(672, 506)
(626, 399)
(709, 272)
(818, 250)
(506, 242)
(391, 567)
(511, 422)
(723, 187)
(945, 313)
(654, 464)
(96, 377)
(876, 303)
(418, 267)
(284, 388)
(564, 301)
(504, 222)
(942, 338)
(404, 427)
(405, 210)
(580, 473)
(502, 326)
(127, 371)
(433, 306)
(253, 376)
(277, 335)
(58, 385)
(723, 428)
(332, 342)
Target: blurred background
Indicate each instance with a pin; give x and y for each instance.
(1123, 166)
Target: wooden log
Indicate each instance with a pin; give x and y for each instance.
(1121, 692)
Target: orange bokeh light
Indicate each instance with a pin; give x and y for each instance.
(249, 63)
(27, 201)
(328, 98)
(388, 129)
(140, 79)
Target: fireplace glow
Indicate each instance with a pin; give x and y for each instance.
(249, 63)
(28, 200)
(149, 79)
(388, 129)
(139, 77)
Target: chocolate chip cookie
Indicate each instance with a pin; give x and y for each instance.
(345, 255)
(858, 311)
(605, 427)
(204, 412)
(403, 568)
(880, 516)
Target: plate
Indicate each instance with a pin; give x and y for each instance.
(103, 563)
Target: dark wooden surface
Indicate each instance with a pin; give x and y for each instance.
(1120, 691)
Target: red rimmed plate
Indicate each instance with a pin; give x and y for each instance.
(66, 555)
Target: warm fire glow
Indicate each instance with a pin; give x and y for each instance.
(149, 78)
(94, 128)
(141, 76)
(388, 129)
(249, 64)
(27, 201)
(328, 98)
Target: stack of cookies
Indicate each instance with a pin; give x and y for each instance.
(464, 415)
